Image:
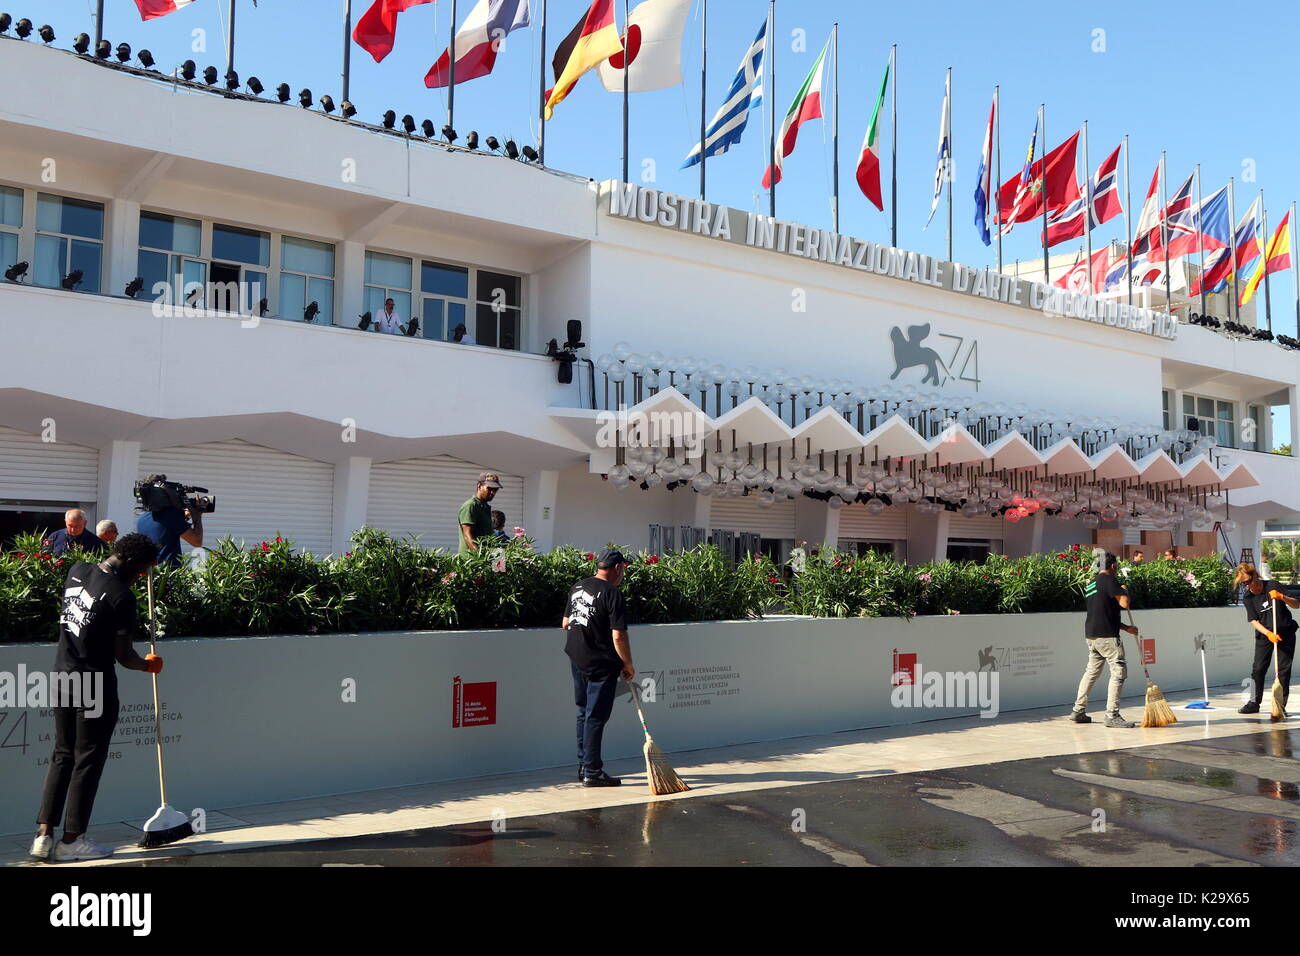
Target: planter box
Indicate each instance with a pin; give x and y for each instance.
(253, 720)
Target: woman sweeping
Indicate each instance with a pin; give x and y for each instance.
(1268, 610)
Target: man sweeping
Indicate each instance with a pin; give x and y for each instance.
(1268, 609)
(1104, 597)
(96, 628)
(595, 623)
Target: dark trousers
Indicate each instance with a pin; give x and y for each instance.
(1264, 660)
(595, 701)
(80, 752)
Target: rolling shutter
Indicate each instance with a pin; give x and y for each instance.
(979, 529)
(261, 492)
(422, 496)
(33, 470)
(744, 514)
(858, 524)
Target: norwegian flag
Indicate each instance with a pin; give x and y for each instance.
(1067, 222)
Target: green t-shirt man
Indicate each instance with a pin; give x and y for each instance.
(475, 519)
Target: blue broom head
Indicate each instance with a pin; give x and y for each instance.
(1199, 705)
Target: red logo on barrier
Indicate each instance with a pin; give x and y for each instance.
(1148, 651)
(473, 705)
(904, 671)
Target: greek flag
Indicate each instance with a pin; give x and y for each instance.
(729, 122)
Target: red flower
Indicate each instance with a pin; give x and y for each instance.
(1061, 555)
(278, 539)
(652, 559)
(590, 556)
(1074, 547)
(348, 555)
(773, 579)
(265, 546)
(478, 580)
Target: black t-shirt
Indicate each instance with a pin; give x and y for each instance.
(97, 606)
(1259, 607)
(596, 610)
(1103, 607)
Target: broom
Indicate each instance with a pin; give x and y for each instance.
(1278, 710)
(1157, 712)
(661, 777)
(167, 825)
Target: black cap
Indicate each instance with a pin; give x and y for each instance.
(610, 557)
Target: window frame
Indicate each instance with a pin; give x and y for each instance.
(68, 238)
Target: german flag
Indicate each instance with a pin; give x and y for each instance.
(593, 41)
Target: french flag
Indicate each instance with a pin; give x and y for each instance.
(478, 41)
(150, 9)
(1067, 223)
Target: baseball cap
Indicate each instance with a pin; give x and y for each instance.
(610, 557)
(490, 478)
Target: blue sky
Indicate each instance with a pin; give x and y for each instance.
(1189, 81)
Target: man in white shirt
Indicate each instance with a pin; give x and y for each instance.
(388, 321)
(459, 334)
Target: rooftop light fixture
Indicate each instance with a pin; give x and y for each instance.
(255, 86)
(427, 127)
(123, 53)
(347, 109)
(146, 59)
(282, 93)
(103, 50)
(81, 44)
(23, 29)
(304, 98)
(448, 133)
(232, 81)
(511, 149)
(327, 103)
(390, 118)
(46, 33)
(210, 75)
(188, 69)
(408, 123)
(472, 139)
(5, 21)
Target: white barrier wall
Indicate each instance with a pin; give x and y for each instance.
(251, 720)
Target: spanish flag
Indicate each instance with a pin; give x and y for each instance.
(1276, 259)
(593, 41)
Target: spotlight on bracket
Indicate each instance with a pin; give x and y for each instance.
(134, 287)
(347, 109)
(146, 59)
(103, 50)
(471, 140)
(123, 53)
(511, 149)
(23, 29)
(255, 86)
(493, 143)
(448, 133)
(530, 154)
(210, 75)
(427, 128)
(312, 310)
(282, 93)
(5, 22)
(81, 44)
(46, 33)
(232, 81)
(16, 272)
(72, 279)
(188, 69)
(408, 123)
(390, 119)
(567, 355)
(327, 103)
(304, 98)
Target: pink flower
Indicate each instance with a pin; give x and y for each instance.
(448, 578)
(499, 565)
(927, 578)
(520, 532)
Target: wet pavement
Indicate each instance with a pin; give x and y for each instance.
(1227, 801)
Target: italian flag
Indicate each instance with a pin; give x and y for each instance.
(149, 9)
(807, 106)
(869, 163)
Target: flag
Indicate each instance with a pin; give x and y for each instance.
(1176, 220)
(1068, 221)
(1219, 270)
(1076, 278)
(654, 34)
(869, 161)
(149, 9)
(1276, 259)
(984, 177)
(942, 169)
(1022, 181)
(478, 41)
(730, 121)
(807, 106)
(594, 40)
(376, 31)
(1021, 199)
(1147, 273)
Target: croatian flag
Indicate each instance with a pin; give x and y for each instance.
(729, 122)
(149, 9)
(1068, 221)
(478, 41)
(984, 180)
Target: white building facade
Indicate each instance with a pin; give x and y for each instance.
(920, 385)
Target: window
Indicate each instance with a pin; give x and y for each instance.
(1258, 427)
(169, 247)
(497, 310)
(1213, 417)
(1164, 405)
(306, 275)
(11, 220)
(388, 277)
(446, 297)
(240, 256)
(69, 236)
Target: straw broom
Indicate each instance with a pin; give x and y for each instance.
(1157, 712)
(1278, 709)
(661, 777)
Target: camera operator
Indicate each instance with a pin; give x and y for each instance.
(167, 527)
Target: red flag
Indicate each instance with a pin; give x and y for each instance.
(1061, 186)
(149, 9)
(1076, 278)
(376, 31)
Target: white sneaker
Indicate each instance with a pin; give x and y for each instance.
(41, 847)
(83, 848)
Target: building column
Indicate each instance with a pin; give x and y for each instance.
(122, 247)
(119, 469)
(1025, 537)
(701, 511)
(351, 498)
(816, 522)
(927, 537)
(350, 296)
(540, 492)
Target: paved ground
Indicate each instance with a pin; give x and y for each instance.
(1217, 788)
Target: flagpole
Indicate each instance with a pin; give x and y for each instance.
(627, 74)
(770, 93)
(1164, 231)
(230, 40)
(347, 48)
(1128, 221)
(1263, 264)
(996, 198)
(541, 94)
(835, 127)
(1200, 235)
(893, 146)
(1087, 210)
(451, 78)
(704, 82)
(99, 22)
(947, 169)
(1232, 216)
(1295, 271)
(1042, 192)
